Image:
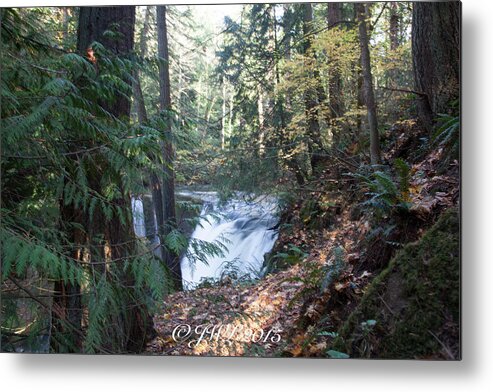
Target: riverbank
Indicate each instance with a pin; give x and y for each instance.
(322, 295)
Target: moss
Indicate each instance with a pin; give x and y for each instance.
(415, 301)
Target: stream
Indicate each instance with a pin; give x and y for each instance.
(242, 226)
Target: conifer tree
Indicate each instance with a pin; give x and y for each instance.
(369, 94)
(168, 187)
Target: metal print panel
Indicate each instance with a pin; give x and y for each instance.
(261, 180)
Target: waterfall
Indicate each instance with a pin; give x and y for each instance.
(138, 217)
(243, 227)
(142, 228)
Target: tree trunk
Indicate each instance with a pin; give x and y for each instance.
(311, 94)
(436, 57)
(168, 188)
(210, 107)
(394, 26)
(67, 305)
(368, 84)
(134, 323)
(360, 101)
(156, 191)
(230, 117)
(261, 119)
(223, 118)
(287, 26)
(66, 23)
(137, 88)
(283, 101)
(335, 82)
(93, 22)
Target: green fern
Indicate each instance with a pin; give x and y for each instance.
(404, 174)
(447, 135)
(382, 192)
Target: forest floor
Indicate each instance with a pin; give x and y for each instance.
(256, 319)
(297, 309)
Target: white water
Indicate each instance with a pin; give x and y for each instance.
(140, 227)
(138, 215)
(241, 226)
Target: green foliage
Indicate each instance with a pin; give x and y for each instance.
(266, 67)
(318, 212)
(383, 194)
(333, 269)
(233, 273)
(337, 354)
(403, 172)
(63, 152)
(318, 278)
(447, 135)
(282, 260)
(176, 241)
(200, 250)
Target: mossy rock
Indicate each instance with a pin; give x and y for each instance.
(412, 308)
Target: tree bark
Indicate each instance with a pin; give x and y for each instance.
(168, 188)
(93, 22)
(361, 10)
(312, 94)
(230, 117)
(223, 118)
(67, 304)
(66, 23)
(394, 26)
(261, 119)
(436, 57)
(336, 105)
(137, 88)
(156, 191)
(133, 321)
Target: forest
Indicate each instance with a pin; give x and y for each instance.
(262, 180)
